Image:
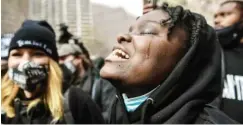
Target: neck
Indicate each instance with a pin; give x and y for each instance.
(131, 91)
(138, 91)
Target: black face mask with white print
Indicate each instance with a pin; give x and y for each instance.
(29, 76)
(229, 37)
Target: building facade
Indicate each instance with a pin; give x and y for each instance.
(77, 14)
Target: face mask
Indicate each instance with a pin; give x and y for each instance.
(70, 66)
(229, 37)
(29, 76)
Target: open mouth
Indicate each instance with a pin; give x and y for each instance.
(118, 55)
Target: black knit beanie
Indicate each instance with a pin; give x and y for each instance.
(35, 34)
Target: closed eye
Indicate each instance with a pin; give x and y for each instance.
(148, 33)
(39, 53)
(228, 13)
(222, 14)
(16, 54)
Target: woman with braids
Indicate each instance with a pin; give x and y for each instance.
(32, 88)
(166, 69)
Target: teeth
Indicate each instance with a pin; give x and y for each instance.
(124, 55)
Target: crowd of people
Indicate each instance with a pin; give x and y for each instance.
(171, 67)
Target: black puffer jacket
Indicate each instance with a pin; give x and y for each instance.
(81, 108)
(185, 96)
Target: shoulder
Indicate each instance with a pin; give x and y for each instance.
(78, 98)
(212, 115)
(84, 110)
(103, 89)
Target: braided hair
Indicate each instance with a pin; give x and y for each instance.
(184, 19)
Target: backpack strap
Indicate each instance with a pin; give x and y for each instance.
(67, 112)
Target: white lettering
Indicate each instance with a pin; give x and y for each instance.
(34, 43)
(233, 87)
(20, 43)
(27, 42)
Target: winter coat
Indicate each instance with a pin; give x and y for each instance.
(81, 108)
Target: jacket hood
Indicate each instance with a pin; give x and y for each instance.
(194, 82)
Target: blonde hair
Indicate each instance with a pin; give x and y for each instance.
(52, 96)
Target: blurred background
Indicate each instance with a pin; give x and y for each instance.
(95, 22)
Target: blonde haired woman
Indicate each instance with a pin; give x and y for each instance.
(32, 88)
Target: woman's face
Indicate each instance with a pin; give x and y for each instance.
(145, 55)
(22, 55)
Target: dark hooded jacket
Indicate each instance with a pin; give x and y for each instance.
(185, 96)
(232, 95)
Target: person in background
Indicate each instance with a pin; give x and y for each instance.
(85, 51)
(31, 91)
(78, 69)
(5, 41)
(166, 69)
(99, 62)
(228, 22)
(65, 34)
